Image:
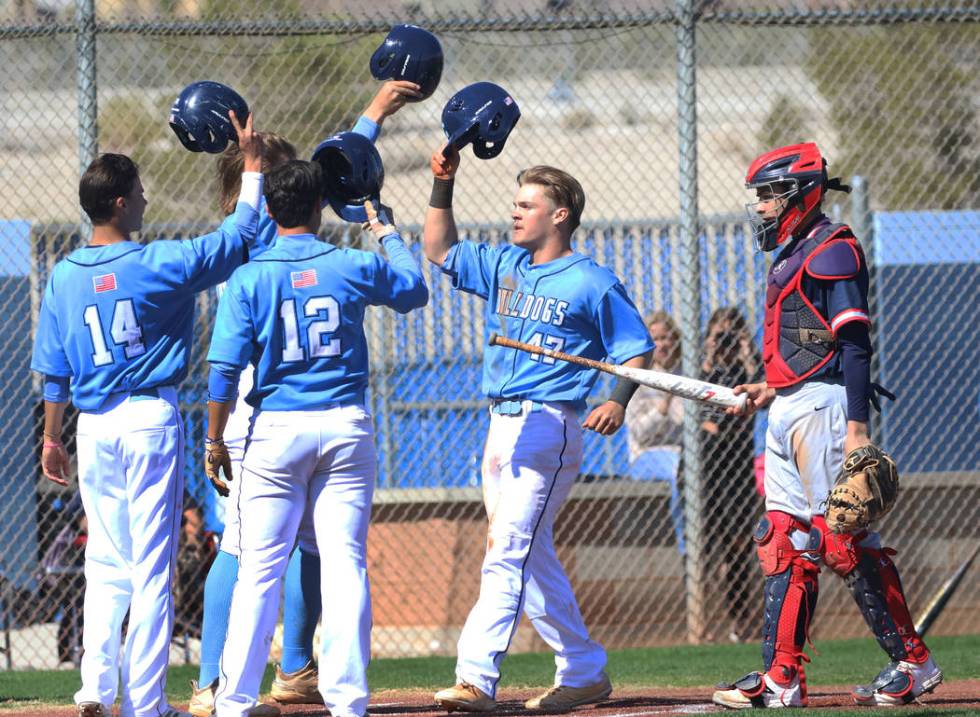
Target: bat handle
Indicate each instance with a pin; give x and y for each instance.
(742, 399)
(493, 339)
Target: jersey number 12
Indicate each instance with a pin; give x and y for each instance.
(292, 351)
(124, 330)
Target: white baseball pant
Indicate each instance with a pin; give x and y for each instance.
(322, 464)
(130, 460)
(529, 464)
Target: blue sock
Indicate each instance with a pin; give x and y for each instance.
(218, 589)
(301, 610)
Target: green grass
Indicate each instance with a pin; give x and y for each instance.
(840, 662)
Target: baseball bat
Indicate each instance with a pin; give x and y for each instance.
(943, 595)
(682, 386)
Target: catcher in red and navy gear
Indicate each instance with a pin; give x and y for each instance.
(817, 356)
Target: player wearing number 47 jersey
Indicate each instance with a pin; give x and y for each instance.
(296, 313)
(540, 291)
(116, 322)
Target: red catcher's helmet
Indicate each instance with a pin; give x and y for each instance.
(796, 174)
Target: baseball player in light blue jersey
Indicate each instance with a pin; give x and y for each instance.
(116, 324)
(296, 676)
(540, 291)
(296, 314)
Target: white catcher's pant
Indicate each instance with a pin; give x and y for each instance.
(529, 464)
(805, 447)
(323, 464)
(130, 478)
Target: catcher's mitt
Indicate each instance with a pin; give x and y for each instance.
(865, 490)
(216, 461)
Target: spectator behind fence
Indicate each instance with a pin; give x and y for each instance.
(196, 551)
(727, 456)
(62, 579)
(654, 422)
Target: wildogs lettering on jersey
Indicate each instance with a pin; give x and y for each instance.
(302, 279)
(105, 282)
(518, 305)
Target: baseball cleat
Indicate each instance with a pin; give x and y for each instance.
(465, 697)
(757, 690)
(297, 688)
(202, 699)
(91, 709)
(561, 698)
(899, 683)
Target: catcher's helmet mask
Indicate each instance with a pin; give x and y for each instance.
(795, 178)
(199, 116)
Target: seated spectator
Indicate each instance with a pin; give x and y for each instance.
(654, 422)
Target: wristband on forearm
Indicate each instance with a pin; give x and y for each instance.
(623, 391)
(442, 193)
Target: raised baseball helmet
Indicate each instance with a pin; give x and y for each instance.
(482, 113)
(796, 176)
(352, 174)
(409, 53)
(199, 116)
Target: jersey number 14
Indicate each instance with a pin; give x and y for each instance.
(124, 330)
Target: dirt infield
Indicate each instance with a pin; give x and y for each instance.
(962, 694)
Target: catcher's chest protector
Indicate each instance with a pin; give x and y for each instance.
(797, 338)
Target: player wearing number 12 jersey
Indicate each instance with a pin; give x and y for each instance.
(296, 313)
(116, 322)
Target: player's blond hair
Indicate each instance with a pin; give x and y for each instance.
(560, 187)
(276, 151)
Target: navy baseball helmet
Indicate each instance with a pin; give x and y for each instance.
(409, 53)
(352, 174)
(199, 116)
(482, 113)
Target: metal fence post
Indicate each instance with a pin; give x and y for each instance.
(862, 222)
(690, 310)
(87, 86)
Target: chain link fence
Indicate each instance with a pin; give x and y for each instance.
(657, 108)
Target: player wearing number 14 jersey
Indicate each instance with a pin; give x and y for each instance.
(116, 322)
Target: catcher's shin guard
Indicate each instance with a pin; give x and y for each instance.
(790, 592)
(874, 583)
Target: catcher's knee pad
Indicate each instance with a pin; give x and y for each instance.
(788, 551)
(877, 589)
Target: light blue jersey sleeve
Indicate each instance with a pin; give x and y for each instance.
(367, 127)
(210, 259)
(471, 266)
(399, 282)
(234, 334)
(49, 348)
(265, 232)
(621, 327)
